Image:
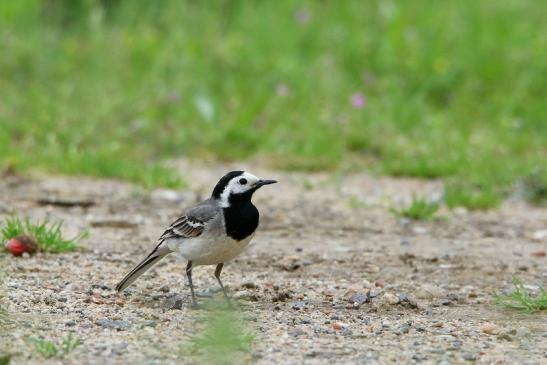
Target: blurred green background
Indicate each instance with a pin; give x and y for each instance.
(451, 89)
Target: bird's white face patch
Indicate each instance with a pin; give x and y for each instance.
(237, 185)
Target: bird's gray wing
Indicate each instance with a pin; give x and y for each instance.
(193, 222)
(189, 225)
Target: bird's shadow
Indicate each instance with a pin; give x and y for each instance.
(210, 300)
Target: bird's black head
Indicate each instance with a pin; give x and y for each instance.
(237, 183)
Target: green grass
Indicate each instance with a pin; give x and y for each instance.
(521, 299)
(49, 349)
(452, 89)
(49, 236)
(223, 339)
(5, 359)
(419, 209)
(535, 187)
(460, 192)
(46, 348)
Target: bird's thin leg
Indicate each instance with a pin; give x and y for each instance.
(218, 270)
(189, 275)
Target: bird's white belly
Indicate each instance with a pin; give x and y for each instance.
(208, 251)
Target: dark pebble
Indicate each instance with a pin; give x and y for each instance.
(249, 285)
(296, 332)
(346, 332)
(504, 336)
(455, 345)
(100, 286)
(470, 357)
(408, 300)
(405, 328)
(359, 298)
(281, 297)
(174, 302)
(418, 358)
(454, 297)
(113, 324)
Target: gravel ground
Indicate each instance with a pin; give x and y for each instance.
(331, 277)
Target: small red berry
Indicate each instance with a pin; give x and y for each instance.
(21, 244)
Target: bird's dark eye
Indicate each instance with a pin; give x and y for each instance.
(243, 181)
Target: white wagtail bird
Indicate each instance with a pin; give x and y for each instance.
(212, 233)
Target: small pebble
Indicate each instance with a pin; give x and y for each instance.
(174, 302)
(391, 298)
(113, 324)
(429, 291)
(489, 328)
(246, 295)
(405, 328)
(455, 345)
(470, 357)
(408, 300)
(504, 336)
(521, 332)
(539, 235)
(359, 298)
(298, 304)
(248, 285)
(296, 332)
(379, 283)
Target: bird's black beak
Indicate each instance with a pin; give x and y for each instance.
(261, 182)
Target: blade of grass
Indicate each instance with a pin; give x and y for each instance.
(224, 338)
(48, 235)
(521, 299)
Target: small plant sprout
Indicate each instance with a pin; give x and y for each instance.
(224, 339)
(46, 348)
(70, 343)
(419, 209)
(47, 236)
(521, 299)
(50, 349)
(5, 359)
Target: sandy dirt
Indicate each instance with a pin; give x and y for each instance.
(332, 276)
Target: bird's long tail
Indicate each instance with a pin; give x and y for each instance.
(150, 260)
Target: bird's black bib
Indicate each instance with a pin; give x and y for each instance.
(241, 217)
